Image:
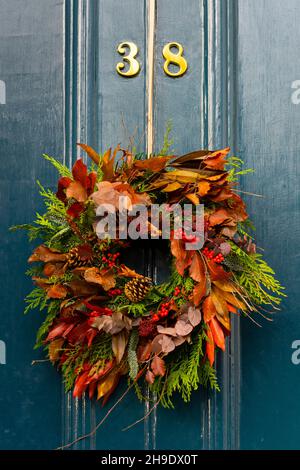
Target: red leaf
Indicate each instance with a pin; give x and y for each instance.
(75, 210)
(92, 178)
(63, 183)
(231, 308)
(80, 384)
(217, 273)
(158, 366)
(58, 330)
(80, 173)
(210, 346)
(217, 333)
(92, 389)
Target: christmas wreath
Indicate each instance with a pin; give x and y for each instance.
(105, 320)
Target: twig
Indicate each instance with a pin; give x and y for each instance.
(91, 433)
(246, 192)
(150, 411)
(38, 361)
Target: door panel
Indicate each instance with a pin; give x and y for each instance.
(31, 66)
(269, 43)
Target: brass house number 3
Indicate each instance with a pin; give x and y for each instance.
(129, 52)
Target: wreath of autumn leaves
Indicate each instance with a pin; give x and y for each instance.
(106, 320)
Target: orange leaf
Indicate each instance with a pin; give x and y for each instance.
(219, 217)
(82, 288)
(57, 291)
(76, 191)
(183, 257)
(203, 188)
(198, 293)
(108, 163)
(234, 301)
(217, 159)
(55, 349)
(210, 346)
(43, 253)
(106, 280)
(209, 309)
(127, 272)
(91, 153)
(217, 333)
(197, 269)
(154, 164)
(53, 269)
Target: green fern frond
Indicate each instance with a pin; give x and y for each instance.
(132, 357)
(62, 169)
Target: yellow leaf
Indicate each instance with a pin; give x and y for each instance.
(219, 302)
(225, 286)
(119, 343)
(106, 385)
(172, 187)
(193, 198)
(185, 173)
(225, 321)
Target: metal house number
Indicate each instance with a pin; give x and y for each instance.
(129, 51)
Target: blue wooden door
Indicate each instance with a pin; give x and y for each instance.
(58, 86)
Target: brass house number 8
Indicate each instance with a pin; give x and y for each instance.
(129, 52)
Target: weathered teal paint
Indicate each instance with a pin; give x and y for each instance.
(269, 44)
(59, 86)
(31, 66)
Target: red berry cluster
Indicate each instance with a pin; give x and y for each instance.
(210, 254)
(114, 292)
(177, 291)
(147, 327)
(162, 312)
(110, 259)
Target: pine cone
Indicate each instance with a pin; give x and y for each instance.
(80, 256)
(137, 289)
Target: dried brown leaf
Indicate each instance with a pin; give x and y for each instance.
(158, 366)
